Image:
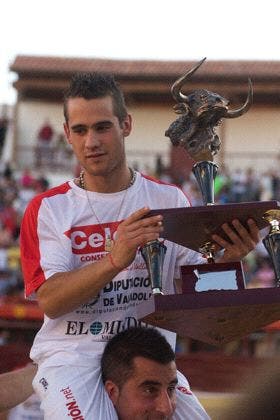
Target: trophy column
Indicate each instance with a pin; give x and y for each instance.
(205, 173)
(153, 253)
(272, 241)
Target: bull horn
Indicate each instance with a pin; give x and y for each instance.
(238, 112)
(176, 87)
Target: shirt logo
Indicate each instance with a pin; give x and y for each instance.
(44, 383)
(184, 390)
(96, 328)
(91, 239)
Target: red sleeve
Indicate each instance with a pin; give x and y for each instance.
(29, 249)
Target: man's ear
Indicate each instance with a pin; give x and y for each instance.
(67, 132)
(112, 390)
(127, 125)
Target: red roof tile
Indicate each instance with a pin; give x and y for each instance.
(43, 65)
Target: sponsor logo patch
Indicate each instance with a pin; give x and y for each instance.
(91, 238)
(73, 409)
(103, 329)
(184, 390)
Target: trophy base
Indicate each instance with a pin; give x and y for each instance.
(213, 317)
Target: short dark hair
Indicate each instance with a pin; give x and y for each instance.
(93, 86)
(119, 353)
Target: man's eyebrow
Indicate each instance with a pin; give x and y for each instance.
(157, 383)
(75, 126)
(147, 382)
(174, 381)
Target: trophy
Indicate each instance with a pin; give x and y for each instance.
(153, 253)
(214, 299)
(200, 113)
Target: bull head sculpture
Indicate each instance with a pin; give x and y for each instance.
(201, 111)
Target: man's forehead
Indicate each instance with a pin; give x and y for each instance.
(80, 104)
(145, 370)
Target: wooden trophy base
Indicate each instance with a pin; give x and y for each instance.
(213, 317)
(219, 316)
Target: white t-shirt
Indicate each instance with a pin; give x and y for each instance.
(60, 233)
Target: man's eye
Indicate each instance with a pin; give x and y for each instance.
(151, 390)
(79, 131)
(104, 127)
(171, 389)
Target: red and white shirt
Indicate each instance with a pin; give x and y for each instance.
(60, 233)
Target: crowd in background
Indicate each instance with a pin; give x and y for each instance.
(17, 189)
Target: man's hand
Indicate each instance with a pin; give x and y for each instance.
(133, 232)
(241, 240)
(66, 291)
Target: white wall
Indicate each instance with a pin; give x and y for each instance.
(30, 117)
(145, 142)
(252, 140)
(256, 133)
(147, 138)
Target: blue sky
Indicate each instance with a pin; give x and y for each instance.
(137, 29)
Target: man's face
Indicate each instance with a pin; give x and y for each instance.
(149, 393)
(96, 135)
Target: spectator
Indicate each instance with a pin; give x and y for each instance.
(264, 275)
(252, 186)
(26, 191)
(44, 145)
(238, 186)
(3, 131)
(266, 192)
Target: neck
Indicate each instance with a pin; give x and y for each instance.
(109, 184)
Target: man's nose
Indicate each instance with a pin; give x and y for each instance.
(92, 139)
(165, 404)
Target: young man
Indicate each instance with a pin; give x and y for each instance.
(80, 251)
(139, 373)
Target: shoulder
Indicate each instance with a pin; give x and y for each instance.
(36, 201)
(172, 191)
(157, 183)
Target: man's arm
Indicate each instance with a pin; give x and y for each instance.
(63, 292)
(16, 386)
